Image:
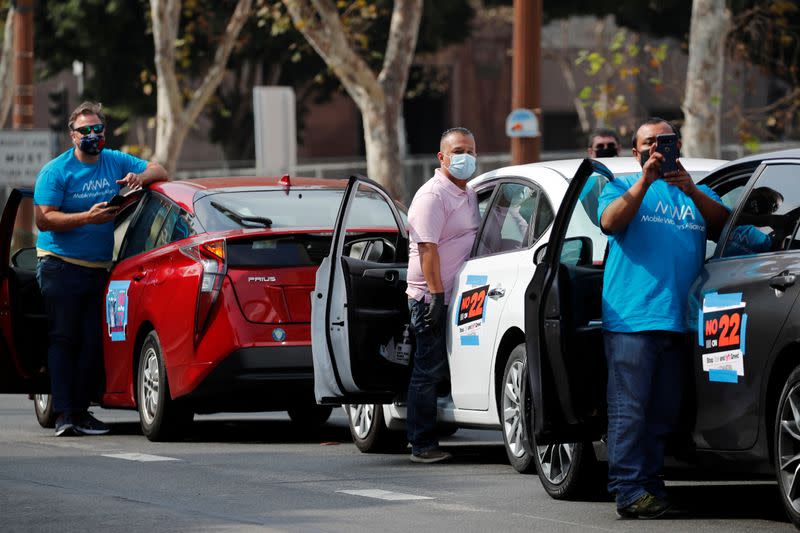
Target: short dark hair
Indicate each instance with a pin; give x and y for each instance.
(87, 108)
(603, 132)
(457, 129)
(649, 122)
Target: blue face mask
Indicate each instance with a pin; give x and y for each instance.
(462, 166)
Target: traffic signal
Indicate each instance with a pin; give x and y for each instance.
(57, 108)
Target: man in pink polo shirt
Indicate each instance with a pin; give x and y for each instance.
(443, 219)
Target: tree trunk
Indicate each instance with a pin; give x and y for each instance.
(379, 98)
(704, 76)
(381, 140)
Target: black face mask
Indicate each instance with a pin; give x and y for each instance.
(644, 155)
(605, 152)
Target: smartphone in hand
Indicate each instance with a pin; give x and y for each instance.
(125, 197)
(667, 145)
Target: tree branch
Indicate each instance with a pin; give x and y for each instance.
(403, 34)
(216, 72)
(328, 38)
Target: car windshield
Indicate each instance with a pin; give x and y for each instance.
(309, 208)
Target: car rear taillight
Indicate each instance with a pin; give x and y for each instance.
(211, 255)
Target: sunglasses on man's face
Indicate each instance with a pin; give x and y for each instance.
(602, 146)
(86, 130)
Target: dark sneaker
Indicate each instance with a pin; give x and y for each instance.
(89, 425)
(65, 426)
(646, 507)
(430, 456)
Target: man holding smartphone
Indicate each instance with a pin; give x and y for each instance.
(75, 243)
(657, 225)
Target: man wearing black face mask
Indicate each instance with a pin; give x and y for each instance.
(603, 142)
(75, 243)
(657, 226)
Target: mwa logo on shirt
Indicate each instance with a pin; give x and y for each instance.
(680, 215)
(94, 189)
(96, 185)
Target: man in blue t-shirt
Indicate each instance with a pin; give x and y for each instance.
(75, 243)
(657, 226)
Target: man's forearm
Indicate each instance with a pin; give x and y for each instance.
(153, 173)
(429, 261)
(621, 211)
(713, 212)
(59, 221)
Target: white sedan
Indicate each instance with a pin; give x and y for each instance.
(360, 340)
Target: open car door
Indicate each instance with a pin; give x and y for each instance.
(563, 310)
(359, 309)
(23, 323)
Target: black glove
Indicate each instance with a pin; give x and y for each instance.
(435, 311)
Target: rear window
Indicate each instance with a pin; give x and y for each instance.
(310, 208)
(306, 249)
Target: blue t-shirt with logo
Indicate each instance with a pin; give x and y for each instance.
(654, 260)
(74, 187)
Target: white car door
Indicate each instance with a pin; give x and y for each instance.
(484, 284)
(359, 309)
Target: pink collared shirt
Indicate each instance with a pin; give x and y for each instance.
(443, 214)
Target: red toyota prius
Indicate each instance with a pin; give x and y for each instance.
(207, 308)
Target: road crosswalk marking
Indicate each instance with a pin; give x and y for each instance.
(384, 495)
(140, 457)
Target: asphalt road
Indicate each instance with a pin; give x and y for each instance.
(261, 473)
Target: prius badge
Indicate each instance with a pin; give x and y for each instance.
(262, 279)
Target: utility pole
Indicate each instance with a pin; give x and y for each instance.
(22, 115)
(526, 74)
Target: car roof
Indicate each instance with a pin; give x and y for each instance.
(185, 192)
(618, 165)
(792, 153)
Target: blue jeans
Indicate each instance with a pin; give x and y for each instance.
(73, 300)
(430, 369)
(645, 386)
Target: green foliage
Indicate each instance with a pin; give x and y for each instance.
(616, 69)
(90, 31)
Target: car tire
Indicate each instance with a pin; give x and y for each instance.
(369, 430)
(43, 406)
(512, 407)
(786, 446)
(310, 416)
(160, 417)
(568, 471)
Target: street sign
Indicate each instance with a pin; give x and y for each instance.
(23, 153)
(522, 123)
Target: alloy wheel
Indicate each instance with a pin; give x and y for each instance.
(362, 416)
(555, 460)
(512, 409)
(42, 401)
(149, 387)
(789, 447)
